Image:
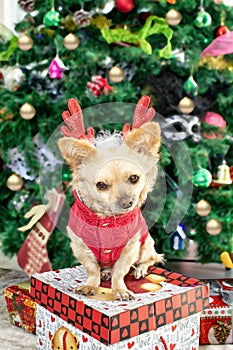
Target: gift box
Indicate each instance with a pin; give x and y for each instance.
(216, 321)
(20, 306)
(164, 315)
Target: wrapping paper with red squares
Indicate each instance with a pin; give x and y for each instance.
(168, 297)
(52, 332)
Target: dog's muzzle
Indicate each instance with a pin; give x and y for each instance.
(125, 202)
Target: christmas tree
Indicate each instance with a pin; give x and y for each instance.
(178, 52)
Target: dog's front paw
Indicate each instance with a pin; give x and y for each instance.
(140, 271)
(124, 295)
(86, 290)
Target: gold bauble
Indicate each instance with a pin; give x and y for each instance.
(71, 42)
(27, 111)
(173, 17)
(213, 227)
(14, 182)
(186, 105)
(116, 74)
(25, 42)
(203, 208)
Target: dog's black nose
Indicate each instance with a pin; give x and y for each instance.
(125, 202)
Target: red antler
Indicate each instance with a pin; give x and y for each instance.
(74, 120)
(141, 113)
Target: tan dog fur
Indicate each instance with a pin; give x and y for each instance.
(137, 155)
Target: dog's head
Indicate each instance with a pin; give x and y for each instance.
(115, 178)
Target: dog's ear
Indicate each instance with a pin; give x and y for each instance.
(74, 150)
(146, 138)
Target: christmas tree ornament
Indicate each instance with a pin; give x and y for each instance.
(221, 30)
(13, 77)
(107, 7)
(223, 174)
(27, 111)
(177, 238)
(14, 182)
(116, 74)
(82, 18)
(71, 42)
(202, 178)
(27, 5)
(215, 119)
(52, 19)
(180, 127)
(186, 105)
(231, 172)
(190, 86)
(5, 115)
(25, 42)
(153, 25)
(173, 17)
(213, 227)
(19, 165)
(99, 85)
(203, 208)
(222, 45)
(203, 18)
(32, 256)
(56, 68)
(69, 23)
(124, 5)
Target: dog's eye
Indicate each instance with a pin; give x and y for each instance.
(102, 186)
(133, 179)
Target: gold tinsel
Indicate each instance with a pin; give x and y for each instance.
(218, 63)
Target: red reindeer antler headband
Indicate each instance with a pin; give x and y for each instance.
(75, 125)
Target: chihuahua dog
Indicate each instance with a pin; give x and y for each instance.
(111, 177)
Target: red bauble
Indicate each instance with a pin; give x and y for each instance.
(221, 30)
(124, 5)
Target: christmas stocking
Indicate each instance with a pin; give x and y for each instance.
(33, 256)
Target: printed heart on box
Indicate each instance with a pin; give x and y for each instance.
(184, 298)
(50, 335)
(125, 333)
(130, 344)
(115, 322)
(172, 346)
(134, 316)
(168, 304)
(183, 278)
(52, 319)
(193, 332)
(156, 348)
(174, 328)
(40, 342)
(40, 323)
(161, 320)
(85, 339)
(57, 278)
(220, 333)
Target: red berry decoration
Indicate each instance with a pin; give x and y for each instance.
(125, 5)
(221, 30)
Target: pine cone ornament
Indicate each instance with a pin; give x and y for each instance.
(82, 18)
(27, 5)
